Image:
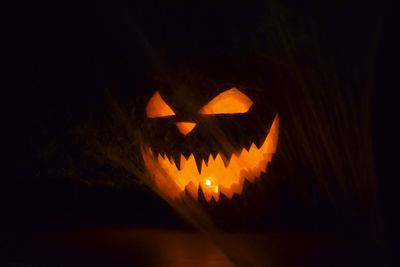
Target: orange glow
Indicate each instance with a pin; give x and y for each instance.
(185, 127)
(156, 107)
(214, 177)
(228, 102)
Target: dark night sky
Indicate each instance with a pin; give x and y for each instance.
(61, 57)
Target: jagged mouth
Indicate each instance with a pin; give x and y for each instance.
(217, 175)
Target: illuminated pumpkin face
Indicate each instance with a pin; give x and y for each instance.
(202, 153)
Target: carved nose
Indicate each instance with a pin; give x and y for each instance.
(185, 127)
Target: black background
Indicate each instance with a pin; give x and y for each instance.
(61, 59)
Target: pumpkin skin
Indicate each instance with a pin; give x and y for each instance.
(196, 141)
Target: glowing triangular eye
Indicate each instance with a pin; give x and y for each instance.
(156, 107)
(228, 102)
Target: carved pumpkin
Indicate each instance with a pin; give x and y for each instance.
(223, 168)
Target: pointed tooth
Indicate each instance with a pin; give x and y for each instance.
(230, 157)
(233, 160)
(218, 161)
(169, 159)
(161, 155)
(205, 160)
(215, 193)
(207, 195)
(214, 154)
(243, 152)
(225, 159)
(210, 160)
(248, 145)
(203, 155)
(253, 148)
(198, 163)
(191, 164)
(160, 159)
(177, 160)
(186, 154)
(216, 196)
(203, 165)
(182, 162)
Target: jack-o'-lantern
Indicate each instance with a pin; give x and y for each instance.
(202, 151)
